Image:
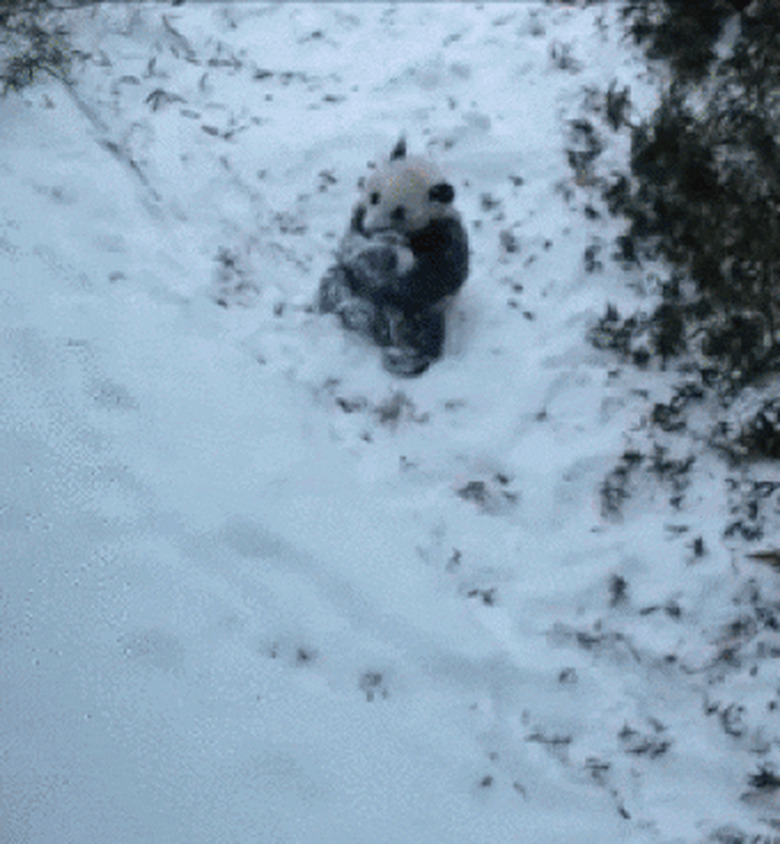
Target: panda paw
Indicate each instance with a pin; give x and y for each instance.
(405, 362)
(364, 318)
(377, 266)
(358, 315)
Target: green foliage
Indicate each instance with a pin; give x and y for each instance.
(705, 192)
(31, 42)
(683, 34)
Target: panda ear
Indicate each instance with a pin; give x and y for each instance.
(442, 192)
(399, 150)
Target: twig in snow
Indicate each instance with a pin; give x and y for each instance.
(115, 149)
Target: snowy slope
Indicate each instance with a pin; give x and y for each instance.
(254, 588)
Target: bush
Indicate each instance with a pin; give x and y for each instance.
(31, 41)
(705, 192)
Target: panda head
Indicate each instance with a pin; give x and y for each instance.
(403, 195)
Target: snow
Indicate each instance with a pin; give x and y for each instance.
(256, 589)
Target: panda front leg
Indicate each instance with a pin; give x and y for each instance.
(334, 290)
(417, 341)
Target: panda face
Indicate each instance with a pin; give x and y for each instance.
(404, 196)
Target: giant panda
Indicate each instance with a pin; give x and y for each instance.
(403, 256)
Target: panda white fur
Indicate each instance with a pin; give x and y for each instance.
(403, 256)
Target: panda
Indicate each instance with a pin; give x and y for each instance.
(403, 257)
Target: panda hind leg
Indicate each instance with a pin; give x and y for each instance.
(417, 342)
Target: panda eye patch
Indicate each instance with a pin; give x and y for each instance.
(398, 214)
(374, 198)
(442, 192)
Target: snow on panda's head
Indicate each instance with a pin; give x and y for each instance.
(404, 195)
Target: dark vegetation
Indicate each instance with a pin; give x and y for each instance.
(702, 201)
(703, 197)
(706, 174)
(33, 40)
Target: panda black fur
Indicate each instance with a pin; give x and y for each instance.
(403, 256)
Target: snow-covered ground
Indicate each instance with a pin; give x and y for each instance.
(255, 589)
